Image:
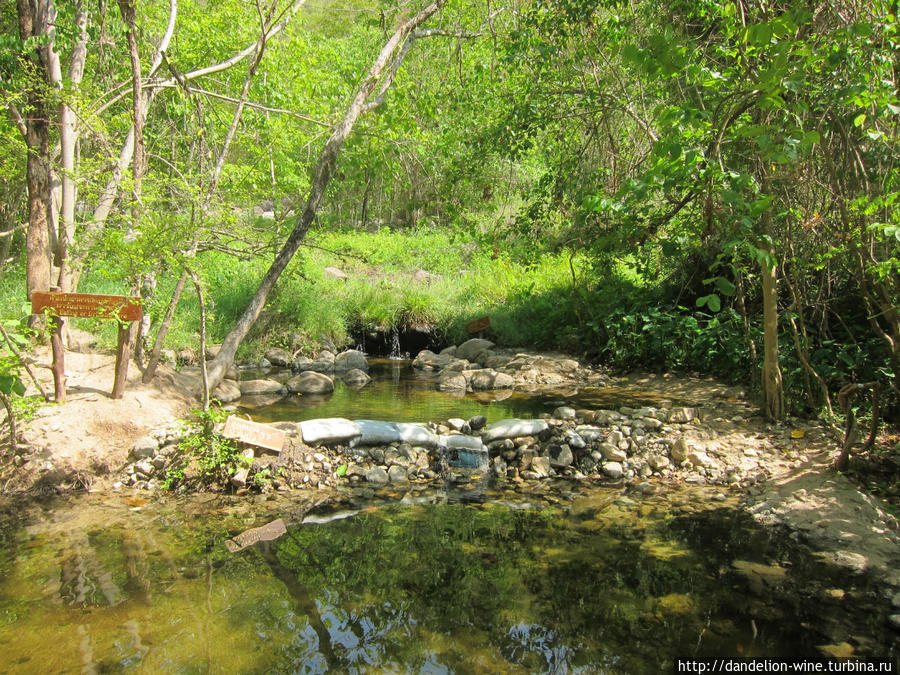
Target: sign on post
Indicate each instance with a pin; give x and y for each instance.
(119, 307)
(254, 433)
(478, 325)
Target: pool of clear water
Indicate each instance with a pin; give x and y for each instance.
(400, 393)
(562, 580)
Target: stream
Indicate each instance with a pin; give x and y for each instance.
(558, 579)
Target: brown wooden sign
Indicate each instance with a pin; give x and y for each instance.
(88, 305)
(254, 433)
(478, 325)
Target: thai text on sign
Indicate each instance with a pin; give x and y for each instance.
(87, 305)
(254, 433)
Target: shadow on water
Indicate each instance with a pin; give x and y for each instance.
(588, 580)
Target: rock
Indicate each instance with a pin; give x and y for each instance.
(264, 364)
(186, 356)
(699, 458)
(477, 422)
(311, 382)
(564, 412)
(356, 378)
(377, 475)
(397, 474)
(332, 272)
(894, 621)
(541, 466)
(573, 440)
(449, 351)
(612, 453)
(513, 428)
(350, 359)
(301, 363)
(239, 479)
(328, 430)
(457, 424)
(227, 391)
(682, 415)
(613, 469)
(895, 601)
(561, 456)
(428, 360)
(658, 462)
(482, 380)
(469, 349)
(145, 447)
(504, 381)
(680, 450)
(278, 357)
(145, 466)
(255, 387)
(451, 381)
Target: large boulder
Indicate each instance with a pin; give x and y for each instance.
(469, 349)
(428, 360)
(482, 380)
(452, 381)
(350, 359)
(226, 392)
(278, 357)
(311, 382)
(254, 387)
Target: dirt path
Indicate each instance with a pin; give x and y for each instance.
(89, 436)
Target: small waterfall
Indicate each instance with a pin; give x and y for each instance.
(395, 346)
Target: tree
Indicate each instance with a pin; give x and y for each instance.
(375, 78)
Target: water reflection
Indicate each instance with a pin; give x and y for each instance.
(598, 582)
(400, 393)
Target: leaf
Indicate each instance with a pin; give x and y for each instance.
(11, 384)
(341, 470)
(859, 120)
(725, 287)
(711, 301)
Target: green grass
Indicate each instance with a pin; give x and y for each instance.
(527, 302)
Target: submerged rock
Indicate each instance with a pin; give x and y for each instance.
(356, 378)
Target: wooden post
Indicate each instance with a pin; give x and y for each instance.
(59, 359)
(123, 346)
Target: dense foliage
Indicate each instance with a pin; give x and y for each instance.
(636, 181)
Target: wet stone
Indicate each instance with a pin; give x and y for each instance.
(613, 469)
(377, 476)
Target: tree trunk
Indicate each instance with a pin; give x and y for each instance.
(772, 387)
(323, 172)
(163, 329)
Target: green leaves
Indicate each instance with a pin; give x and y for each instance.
(11, 384)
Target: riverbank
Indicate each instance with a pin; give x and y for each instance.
(779, 473)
